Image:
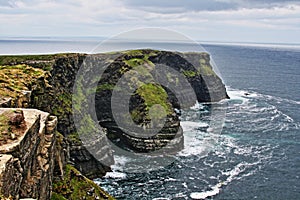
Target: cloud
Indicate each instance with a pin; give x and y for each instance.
(200, 19)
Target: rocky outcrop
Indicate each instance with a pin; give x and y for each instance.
(33, 165)
(73, 185)
(169, 79)
(46, 83)
(48, 86)
(27, 162)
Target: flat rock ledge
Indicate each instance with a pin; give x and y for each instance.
(27, 163)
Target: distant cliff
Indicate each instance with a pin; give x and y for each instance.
(46, 82)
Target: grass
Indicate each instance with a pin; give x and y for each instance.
(207, 70)
(134, 62)
(7, 60)
(75, 186)
(105, 86)
(153, 95)
(141, 57)
(74, 138)
(14, 79)
(6, 129)
(44, 62)
(64, 106)
(189, 73)
(141, 52)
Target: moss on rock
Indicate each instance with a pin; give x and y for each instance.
(75, 186)
(154, 94)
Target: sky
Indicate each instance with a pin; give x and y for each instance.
(262, 21)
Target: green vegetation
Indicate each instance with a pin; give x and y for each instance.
(74, 138)
(14, 79)
(9, 132)
(4, 126)
(140, 57)
(78, 97)
(75, 186)
(136, 52)
(154, 94)
(134, 62)
(141, 52)
(44, 62)
(87, 126)
(155, 98)
(207, 70)
(205, 67)
(189, 73)
(105, 86)
(56, 196)
(64, 104)
(7, 60)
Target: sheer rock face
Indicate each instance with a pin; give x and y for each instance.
(27, 163)
(141, 69)
(51, 91)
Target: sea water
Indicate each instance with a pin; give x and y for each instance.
(257, 154)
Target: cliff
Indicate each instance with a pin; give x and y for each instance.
(31, 152)
(152, 83)
(46, 82)
(27, 155)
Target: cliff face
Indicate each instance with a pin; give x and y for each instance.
(151, 78)
(33, 160)
(27, 159)
(46, 83)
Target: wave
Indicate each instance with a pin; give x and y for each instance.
(259, 155)
(278, 99)
(209, 162)
(258, 112)
(115, 175)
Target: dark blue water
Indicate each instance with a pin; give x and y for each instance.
(257, 154)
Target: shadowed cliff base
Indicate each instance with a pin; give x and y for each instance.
(46, 82)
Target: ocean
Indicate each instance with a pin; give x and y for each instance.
(257, 154)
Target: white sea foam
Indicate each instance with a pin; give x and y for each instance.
(190, 126)
(196, 142)
(204, 195)
(232, 175)
(115, 175)
(278, 99)
(239, 96)
(117, 168)
(197, 106)
(120, 162)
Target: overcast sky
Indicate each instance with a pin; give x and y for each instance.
(205, 20)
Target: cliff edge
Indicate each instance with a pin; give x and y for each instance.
(46, 82)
